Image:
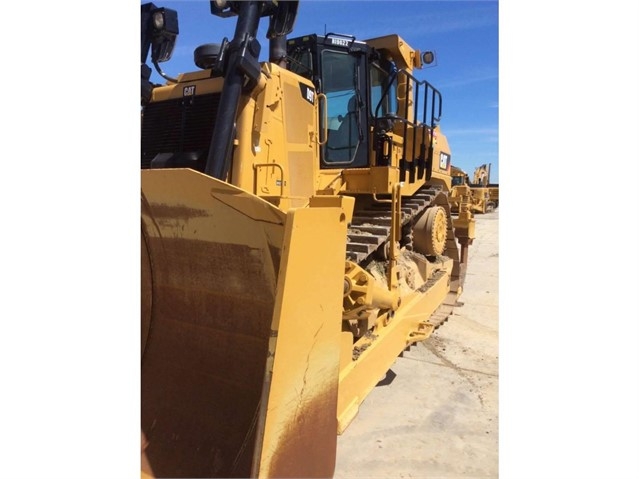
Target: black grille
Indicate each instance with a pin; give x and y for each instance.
(184, 125)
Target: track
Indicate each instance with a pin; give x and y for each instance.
(371, 226)
(370, 229)
(441, 314)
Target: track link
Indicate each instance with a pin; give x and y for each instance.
(371, 226)
(444, 311)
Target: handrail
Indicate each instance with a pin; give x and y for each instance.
(429, 119)
(257, 166)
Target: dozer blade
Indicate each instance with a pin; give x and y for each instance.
(241, 319)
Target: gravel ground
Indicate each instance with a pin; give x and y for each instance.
(435, 415)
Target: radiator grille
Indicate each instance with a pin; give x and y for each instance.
(178, 126)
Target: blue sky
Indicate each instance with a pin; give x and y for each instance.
(464, 35)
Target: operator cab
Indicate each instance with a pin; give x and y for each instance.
(352, 77)
(457, 181)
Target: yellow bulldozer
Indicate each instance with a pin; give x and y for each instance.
(481, 178)
(296, 238)
(478, 196)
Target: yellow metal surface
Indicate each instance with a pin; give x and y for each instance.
(300, 391)
(346, 203)
(402, 53)
(277, 160)
(175, 90)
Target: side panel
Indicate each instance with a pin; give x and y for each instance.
(280, 161)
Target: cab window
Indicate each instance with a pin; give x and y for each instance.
(380, 81)
(339, 81)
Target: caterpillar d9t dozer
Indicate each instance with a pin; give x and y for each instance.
(296, 238)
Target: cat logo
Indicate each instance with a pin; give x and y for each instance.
(189, 90)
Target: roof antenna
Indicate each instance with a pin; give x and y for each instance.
(325, 29)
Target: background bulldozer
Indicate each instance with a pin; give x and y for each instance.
(478, 196)
(296, 237)
(481, 178)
